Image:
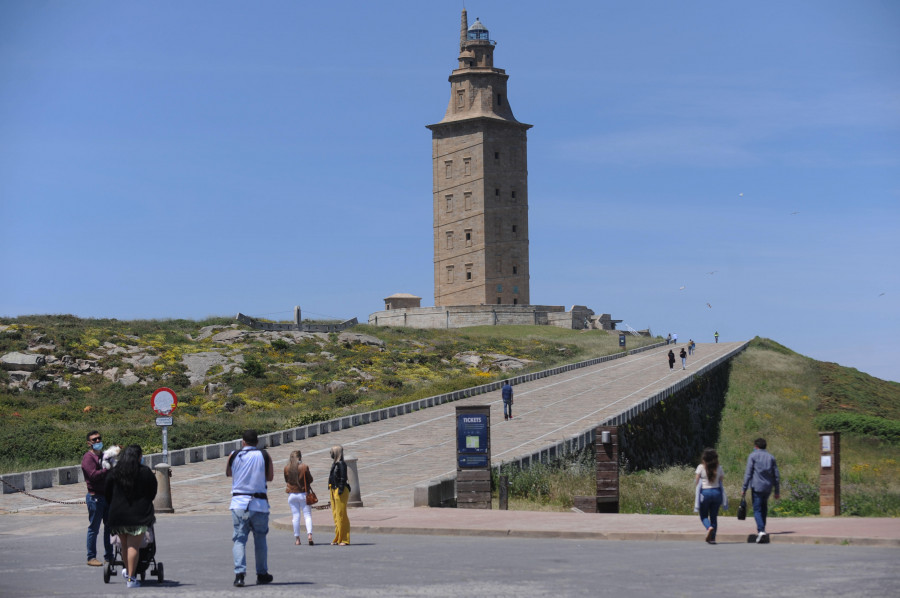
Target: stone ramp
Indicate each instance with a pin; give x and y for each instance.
(397, 454)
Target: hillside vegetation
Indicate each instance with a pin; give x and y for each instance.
(100, 373)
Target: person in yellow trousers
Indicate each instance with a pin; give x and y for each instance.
(340, 493)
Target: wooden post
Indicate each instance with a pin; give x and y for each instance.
(503, 493)
(607, 469)
(830, 474)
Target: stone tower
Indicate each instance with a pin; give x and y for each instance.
(480, 184)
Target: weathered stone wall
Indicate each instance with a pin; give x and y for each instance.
(474, 315)
(259, 325)
(677, 429)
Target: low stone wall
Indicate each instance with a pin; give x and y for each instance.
(272, 326)
(461, 316)
(35, 480)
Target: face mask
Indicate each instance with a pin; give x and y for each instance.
(97, 446)
(142, 460)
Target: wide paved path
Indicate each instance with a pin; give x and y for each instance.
(396, 454)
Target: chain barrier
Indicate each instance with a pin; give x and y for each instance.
(59, 502)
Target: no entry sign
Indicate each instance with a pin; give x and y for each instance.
(164, 401)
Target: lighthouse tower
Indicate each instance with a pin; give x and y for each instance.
(480, 169)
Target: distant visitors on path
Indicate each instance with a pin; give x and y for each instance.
(691, 346)
(761, 476)
(98, 509)
(675, 338)
(709, 492)
(340, 493)
(669, 338)
(130, 490)
(297, 479)
(683, 356)
(671, 359)
(717, 336)
(250, 468)
(507, 393)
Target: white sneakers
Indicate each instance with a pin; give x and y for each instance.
(761, 537)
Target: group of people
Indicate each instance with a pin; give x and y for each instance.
(121, 498)
(761, 476)
(682, 354)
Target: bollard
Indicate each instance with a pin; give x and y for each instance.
(503, 493)
(163, 501)
(355, 499)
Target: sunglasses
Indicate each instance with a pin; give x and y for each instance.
(97, 439)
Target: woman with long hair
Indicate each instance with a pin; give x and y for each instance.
(340, 493)
(297, 479)
(709, 492)
(130, 490)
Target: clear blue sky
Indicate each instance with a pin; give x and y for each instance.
(187, 159)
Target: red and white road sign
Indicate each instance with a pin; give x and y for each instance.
(164, 401)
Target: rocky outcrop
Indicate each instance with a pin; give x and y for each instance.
(349, 338)
(28, 362)
(198, 364)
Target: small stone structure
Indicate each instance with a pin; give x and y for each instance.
(402, 300)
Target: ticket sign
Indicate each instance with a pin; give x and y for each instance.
(472, 439)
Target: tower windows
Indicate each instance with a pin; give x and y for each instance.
(468, 237)
(467, 166)
(497, 192)
(496, 155)
(468, 199)
(449, 274)
(515, 268)
(499, 288)
(499, 99)
(448, 167)
(514, 195)
(460, 98)
(514, 230)
(450, 240)
(449, 200)
(499, 301)
(468, 271)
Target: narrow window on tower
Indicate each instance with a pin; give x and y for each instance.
(448, 166)
(449, 199)
(468, 237)
(449, 274)
(468, 271)
(499, 99)
(450, 240)
(499, 288)
(468, 200)
(497, 192)
(496, 155)
(499, 301)
(515, 269)
(515, 301)
(460, 98)
(514, 196)
(514, 230)
(515, 290)
(467, 166)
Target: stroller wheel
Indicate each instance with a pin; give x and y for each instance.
(160, 577)
(143, 573)
(107, 573)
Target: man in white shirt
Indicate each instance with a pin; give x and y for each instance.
(250, 468)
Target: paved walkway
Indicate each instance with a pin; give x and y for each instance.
(396, 454)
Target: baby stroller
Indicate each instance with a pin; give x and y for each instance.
(146, 559)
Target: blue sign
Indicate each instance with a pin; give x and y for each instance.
(472, 439)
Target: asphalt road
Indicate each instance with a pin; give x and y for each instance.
(43, 555)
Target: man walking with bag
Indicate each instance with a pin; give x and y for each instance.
(761, 476)
(250, 468)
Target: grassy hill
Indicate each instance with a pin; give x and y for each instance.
(269, 381)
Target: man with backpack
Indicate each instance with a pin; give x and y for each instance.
(250, 468)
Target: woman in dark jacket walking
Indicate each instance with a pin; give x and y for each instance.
(130, 490)
(671, 360)
(340, 493)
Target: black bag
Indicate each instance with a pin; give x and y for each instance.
(742, 509)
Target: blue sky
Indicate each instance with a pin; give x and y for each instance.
(187, 159)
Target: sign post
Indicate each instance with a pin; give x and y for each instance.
(164, 402)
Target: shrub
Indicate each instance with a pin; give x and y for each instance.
(252, 367)
(863, 425)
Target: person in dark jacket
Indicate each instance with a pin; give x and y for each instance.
(130, 490)
(95, 478)
(683, 356)
(671, 360)
(762, 477)
(340, 493)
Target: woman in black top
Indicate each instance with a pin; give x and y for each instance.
(130, 490)
(340, 492)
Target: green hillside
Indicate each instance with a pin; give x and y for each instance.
(269, 381)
